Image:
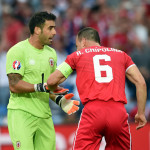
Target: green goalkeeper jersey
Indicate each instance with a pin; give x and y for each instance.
(30, 62)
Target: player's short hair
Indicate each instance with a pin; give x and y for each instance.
(38, 20)
(89, 34)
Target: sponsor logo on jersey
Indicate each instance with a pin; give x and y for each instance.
(32, 62)
(51, 61)
(18, 144)
(16, 65)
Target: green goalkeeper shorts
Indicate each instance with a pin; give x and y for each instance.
(29, 132)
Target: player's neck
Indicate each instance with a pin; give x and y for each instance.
(35, 42)
(92, 43)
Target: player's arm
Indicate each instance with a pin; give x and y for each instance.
(134, 75)
(17, 85)
(55, 79)
(59, 76)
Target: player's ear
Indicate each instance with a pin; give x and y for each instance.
(37, 30)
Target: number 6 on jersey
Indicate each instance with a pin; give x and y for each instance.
(98, 68)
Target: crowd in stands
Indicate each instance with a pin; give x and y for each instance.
(122, 24)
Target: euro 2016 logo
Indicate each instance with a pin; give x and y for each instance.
(16, 65)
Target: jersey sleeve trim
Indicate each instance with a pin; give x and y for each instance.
(65, 69)
(130, 67)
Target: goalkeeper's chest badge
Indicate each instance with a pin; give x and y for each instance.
(18, 144)
(51, 62)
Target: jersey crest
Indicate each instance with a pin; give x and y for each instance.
(51, 62)
(18, 144)
(16, 65)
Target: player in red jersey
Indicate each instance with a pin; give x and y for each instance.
(100, 81)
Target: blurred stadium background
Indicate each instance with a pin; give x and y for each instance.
(122, 24)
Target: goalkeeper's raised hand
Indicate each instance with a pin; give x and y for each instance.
(69, 106)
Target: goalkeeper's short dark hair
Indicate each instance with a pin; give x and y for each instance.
(38, 20)
(89, 34)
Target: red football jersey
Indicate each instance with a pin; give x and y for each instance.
(100, 73)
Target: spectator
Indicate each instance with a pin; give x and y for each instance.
(11, 28)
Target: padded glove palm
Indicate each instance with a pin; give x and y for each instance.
(69, 106)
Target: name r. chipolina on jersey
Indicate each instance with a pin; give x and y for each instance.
(89, 50)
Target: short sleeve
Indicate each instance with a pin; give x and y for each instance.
(15, 61)
(128, 62)
(71, 60)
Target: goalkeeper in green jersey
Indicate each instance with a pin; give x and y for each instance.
(29, 64)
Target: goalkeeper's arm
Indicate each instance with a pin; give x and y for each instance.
(64, 101)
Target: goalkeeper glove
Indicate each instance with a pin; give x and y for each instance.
(44, 88)
(41, 88)
(69, 106)
(60, 92)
